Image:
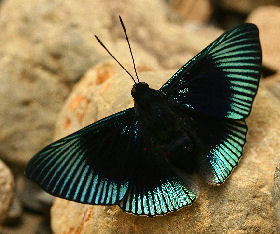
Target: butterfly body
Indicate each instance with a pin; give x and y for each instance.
(165, 124)
(156, 114)
(141, 158)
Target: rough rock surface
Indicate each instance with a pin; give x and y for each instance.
(273, 84)
(276, 195)
(245, 7)
(242, 205)
(6, 190)
(46, 46)
(193, 10)
(268, 20)
(31, 97)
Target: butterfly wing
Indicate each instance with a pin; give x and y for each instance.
(110, 162)
(220, 144)
(87, 166)
(222, 80)
(159, 189)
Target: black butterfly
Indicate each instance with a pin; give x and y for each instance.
(140, 158)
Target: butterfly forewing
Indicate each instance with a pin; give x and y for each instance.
(88, 166)
(222, 80)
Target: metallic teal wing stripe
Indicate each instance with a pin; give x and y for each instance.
(167, 196)
(225, 156)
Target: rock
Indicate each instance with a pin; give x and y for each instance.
(276, 196)
(193, 10)
(15, 213)
(242, 204)
(34, 198)
(268, 20)
(28, 122)
(6, 190)
(46, 46)
(245, 7)
(272, 83)
(44, 227)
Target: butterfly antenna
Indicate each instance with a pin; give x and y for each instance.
(100, 42)
(124, 29)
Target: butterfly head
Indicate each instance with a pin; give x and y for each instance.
(139, 89)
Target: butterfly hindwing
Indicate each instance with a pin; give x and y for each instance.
(158, 190)
(220, 144)
(222, 80)
(168, 195)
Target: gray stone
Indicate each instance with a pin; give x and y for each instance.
(34, 198)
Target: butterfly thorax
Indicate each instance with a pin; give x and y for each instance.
(153, 112)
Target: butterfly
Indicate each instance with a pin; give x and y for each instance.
(141, 158)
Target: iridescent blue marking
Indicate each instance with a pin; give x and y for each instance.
(109, 193)
(161, 199)
(245, 71)
(44, 158)
(234, 48)
(145, 204)
(230, 42)
(172, 195)
(242, 52)
(97, 196)
(139, 204)
(244, 84)
(151, 203)
(81, 167)
(104, 192)
(133, 203)
(230, 156)
(167, 198)
(61, 162)
(81, 182)
(93, 189)
(86, 187)
(156, 202)
(239, 59)
(69, 170)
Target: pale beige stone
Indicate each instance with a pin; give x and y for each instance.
(245, 7)
(276, 196)
(6, 190)
(267, 19)
(243, 204)
(198, 11)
